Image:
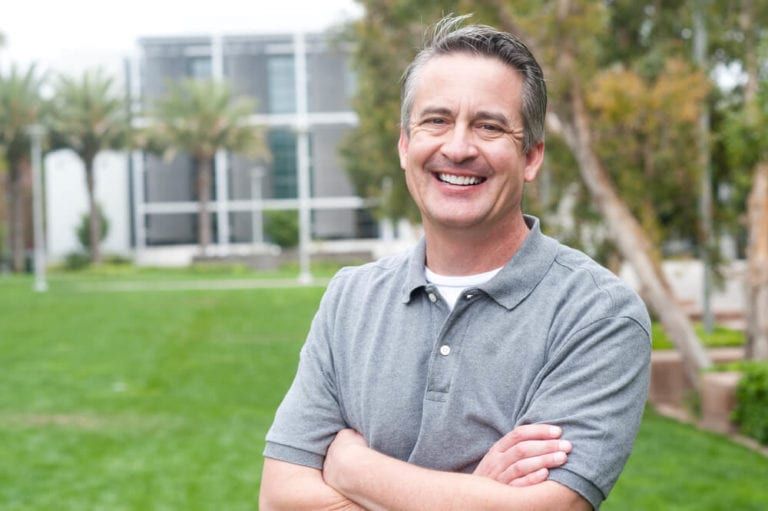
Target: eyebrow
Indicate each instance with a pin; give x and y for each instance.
(482, 114)
(493, 116)
(432, 110)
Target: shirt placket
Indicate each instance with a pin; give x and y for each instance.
(448, 344)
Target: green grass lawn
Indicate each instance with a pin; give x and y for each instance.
(161, 400)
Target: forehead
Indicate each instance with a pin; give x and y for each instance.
(467, 82)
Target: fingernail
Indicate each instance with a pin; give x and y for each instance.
(564, 445)
(555, 431)
(560, 457)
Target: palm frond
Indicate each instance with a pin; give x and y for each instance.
(201, 117)
(87, 115)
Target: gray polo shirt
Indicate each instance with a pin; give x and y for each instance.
(553, 338)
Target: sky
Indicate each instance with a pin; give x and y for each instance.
(74, 35)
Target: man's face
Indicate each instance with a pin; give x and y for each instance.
(463, 159)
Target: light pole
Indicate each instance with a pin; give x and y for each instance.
(36, 133)
(302, 153)
(257, 213)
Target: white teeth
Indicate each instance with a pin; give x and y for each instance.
(459, 180)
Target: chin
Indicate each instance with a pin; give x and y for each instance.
(455, 223)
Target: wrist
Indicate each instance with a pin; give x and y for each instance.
(343, 467)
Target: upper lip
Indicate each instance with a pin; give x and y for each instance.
(458, 173)
(443, 167)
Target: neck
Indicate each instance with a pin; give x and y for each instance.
(468, 251)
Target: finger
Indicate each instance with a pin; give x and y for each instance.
(535, 478)
(531, 448)
(528, 466)
(528, 432)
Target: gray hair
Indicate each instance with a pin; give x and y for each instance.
(448, 37)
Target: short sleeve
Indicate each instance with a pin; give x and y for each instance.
(310, 415)
(595, 387)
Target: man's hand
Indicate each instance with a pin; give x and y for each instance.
(524, 456)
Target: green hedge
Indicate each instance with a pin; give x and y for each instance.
(751, 411)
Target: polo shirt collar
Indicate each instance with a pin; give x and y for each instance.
(530, 264)
(415, 278)
(516, 279)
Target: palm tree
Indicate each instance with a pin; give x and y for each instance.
(20, 107)
(87, 116)
(201, 117)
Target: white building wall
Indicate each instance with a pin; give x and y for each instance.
(67, 201)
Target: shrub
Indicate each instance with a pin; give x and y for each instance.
(282, 227)
(751, 411)
(76, 261)
(84, 229)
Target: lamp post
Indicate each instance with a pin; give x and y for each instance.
(257, 213)
(302, 153)
(36, 133)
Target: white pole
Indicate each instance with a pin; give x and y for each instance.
(36, 134)
(221, 159)
(302, 150)
(139, 214)
(257, 214)
(222, 207)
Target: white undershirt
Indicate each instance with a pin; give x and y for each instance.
(450, 287)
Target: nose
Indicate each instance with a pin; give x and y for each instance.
(459, 145)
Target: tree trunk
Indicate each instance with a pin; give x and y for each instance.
(203, 196)
(757, 266)
(17, 218)
(5, 256)
(94, 215)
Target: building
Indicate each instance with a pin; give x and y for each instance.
(302, 85)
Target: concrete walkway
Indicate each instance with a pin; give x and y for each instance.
(191, 285)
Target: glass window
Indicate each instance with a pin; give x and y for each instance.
(281, 84)
(282, 144)
(199, 67)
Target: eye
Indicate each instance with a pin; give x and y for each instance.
(434, 121)
(491, 128)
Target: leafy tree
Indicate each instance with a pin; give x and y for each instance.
(570, 34)
(745, 141)
(88, 116)
(202, 117)
(575, 42)
(20, 107)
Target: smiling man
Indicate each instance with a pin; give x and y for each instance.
(451, 376)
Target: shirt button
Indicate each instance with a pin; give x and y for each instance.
(432, 297)
(445, 350)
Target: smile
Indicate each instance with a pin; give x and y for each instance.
(460, 180)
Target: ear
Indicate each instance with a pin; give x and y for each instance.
(402, 148)
(533, 161)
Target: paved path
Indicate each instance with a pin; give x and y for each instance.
(192, 285)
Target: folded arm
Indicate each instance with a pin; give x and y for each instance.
(520, 458)
(289, 487)
(377, 482)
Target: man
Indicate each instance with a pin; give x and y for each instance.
(417, 366)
